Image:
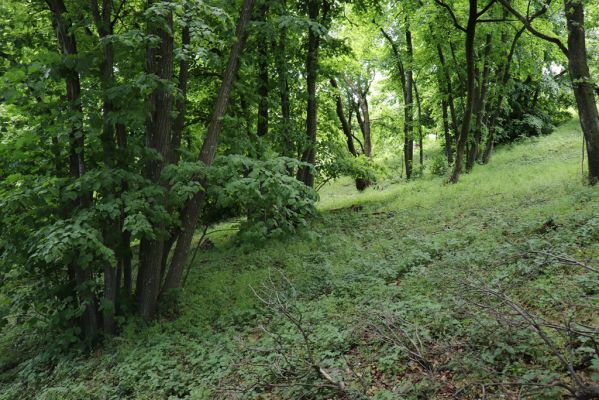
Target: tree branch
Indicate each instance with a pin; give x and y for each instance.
(531, 29)
(484, 10)
(451, 13)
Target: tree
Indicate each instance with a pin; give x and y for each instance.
(193, 206)
(582, 85)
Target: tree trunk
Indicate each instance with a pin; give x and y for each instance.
(449, 92)
(190, 213)
(281, 66)
(448, 141)
(262, 126)
(345, 126)
(309, 155)
(81, 275)
(407, 97)
(408, 107)
(481, 107)
(505, 77)
(159, 61)
(363, 116)
(112, 228)
(420, 139)
(582, 84)
(470, 89)
(181, 103)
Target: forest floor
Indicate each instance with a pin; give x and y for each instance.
(415, 290)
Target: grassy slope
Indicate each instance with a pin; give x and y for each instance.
(401, 260)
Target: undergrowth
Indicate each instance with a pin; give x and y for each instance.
(396, 293)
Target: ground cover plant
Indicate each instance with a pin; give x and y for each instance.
(320, 199)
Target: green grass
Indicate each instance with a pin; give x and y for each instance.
(401, 256)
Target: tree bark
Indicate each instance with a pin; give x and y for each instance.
(281, 67)
(579, 74)
(159, 62)
(582, 84)
(408, 107)
(263, 78)
(505, 77)
(181, 103)
(190, 213)
(481, 106)
(470, 89)
(449, 92)
(420, 138)
(81, 274)
(448, 141)
(309, 155)
(345, 126)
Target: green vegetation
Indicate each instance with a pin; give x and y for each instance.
(401, 257)
(315, 199)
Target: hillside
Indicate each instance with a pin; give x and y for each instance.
(409, 290)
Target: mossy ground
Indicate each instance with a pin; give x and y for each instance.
(400, 263)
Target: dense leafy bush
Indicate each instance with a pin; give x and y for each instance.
(274, 202)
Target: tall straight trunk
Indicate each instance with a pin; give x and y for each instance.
(582, 84)
(407, 97)
(159, 61)
(113, 227)
(409, 107)
(505, 77)
(181, 103)
(190, 213)
(177, 133)
(363, 116)
(448, 141)
(420, 139)
(281, 67)
(481, 106)
(345, 125)
(263, 78)
(461, 83)
(366, 131)
(124, 252)
(448, 91)
(470, 91)
(309, 155)
(82, 276)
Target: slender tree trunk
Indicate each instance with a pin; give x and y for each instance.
(481, 107)
(309, 155)
(159, 61)
(112, 228)
(124, 254)
(263, 78)
(81, 275)
(461, 82)
(281, 66)
(363, 116)
(582, 84)
(505, 77)
(345, 126)
(361, 183)
(471, 85)
(406, 87)
(448, 141)
(181, 103)
(449, 92)
(409, 107)
(420, 139)
(190, 212)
